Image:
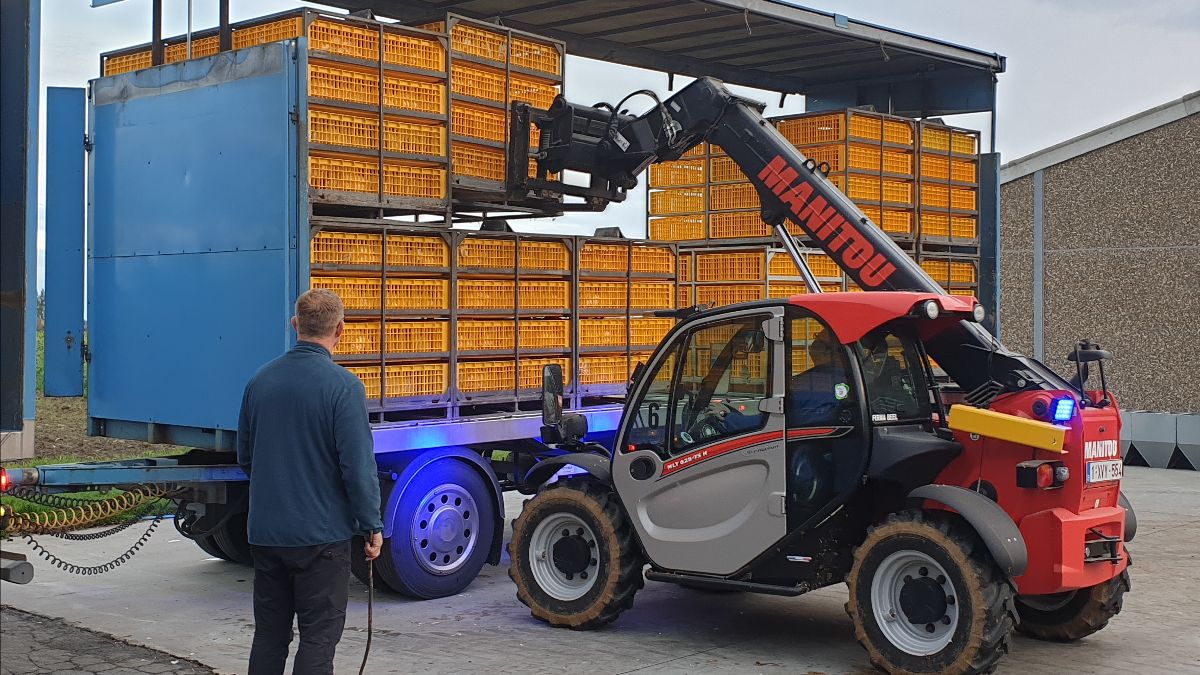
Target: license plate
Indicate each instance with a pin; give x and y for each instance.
(1098, 472)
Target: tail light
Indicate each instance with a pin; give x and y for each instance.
(4, 480)
(1043, 474)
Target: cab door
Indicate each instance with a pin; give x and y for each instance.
(700, 464)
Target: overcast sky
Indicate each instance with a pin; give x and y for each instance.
(1073, 65)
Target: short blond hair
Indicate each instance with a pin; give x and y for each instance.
(318, 312)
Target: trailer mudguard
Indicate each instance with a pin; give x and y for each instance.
(597, 465)
(998, 531)
(1130, 517)
(401, 468)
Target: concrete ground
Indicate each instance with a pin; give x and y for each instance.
(173, 598)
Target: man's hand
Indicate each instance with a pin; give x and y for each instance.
(373, 545)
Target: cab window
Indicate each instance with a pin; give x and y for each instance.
(821, 387)
(724, 379)
(648, 430)
(893, 377)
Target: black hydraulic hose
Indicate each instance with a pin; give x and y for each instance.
(370, 614)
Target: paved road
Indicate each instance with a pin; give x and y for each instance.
(172, 597)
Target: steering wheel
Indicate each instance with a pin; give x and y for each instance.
(710, 422)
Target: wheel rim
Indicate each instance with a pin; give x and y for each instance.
(563, 556)
(914, 602)
(444, 529)
(1048, 603)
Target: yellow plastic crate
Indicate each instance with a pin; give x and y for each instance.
(548, 256)
(685, 296)
(825, 128)
(724, 170)
(273, 31)
(346, 248)
(540, 94)
(697, 150)
(531, 371)
(935, 166)
(487, 252)
(732, 196)
(730, 266)
(202, 47)
(549, 295)
(417, 251)
(785, 289)
(344, 39)
(897, 221)
(840, 158)
(823, 266)
(476, 121)
(342, 174)
(897, 161)
(486, 294)
(413, 51)
(866, 125)
(545, 334)
(677, 200)
(653, 259)
(737, 225)
(964, 227)
(728, 295)
(897, 191)
(408, 94)
(935, 138)
(359, 338)
(962, 273)
(433, 294)
(832, 287)
(485, 334)
(678, 173)
(963, 170)
(781, 265)
(652, 295)
(603, 369)
(685, 266)
(356, 130)
(968, 292)
(603, 295)
(359, 85)
(411, 138)
(935, 225)
(603, 332)
(900, 132)
(873, 213)
(595, 257)
(481, 376)
(934, 195)
(356, 293)
(677, 228)
(865, 188)
(962, 198)
(538, 56)
(125, 63)
(964, 142)
(477, 81)
(937, 268)
(647, 330)
(476, 41)
(477, 161)
(404, 380)
(416, 337)
(369, 376)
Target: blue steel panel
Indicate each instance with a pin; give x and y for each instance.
(64, 241)
(192, 230)
(31, 209)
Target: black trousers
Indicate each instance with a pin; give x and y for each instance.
(308, 583)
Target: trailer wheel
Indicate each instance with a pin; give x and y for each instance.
(208, 544)
(926, 597)
(442, 533)
(1070, 616)
(231, 538)
(358, 565)
(574, 557)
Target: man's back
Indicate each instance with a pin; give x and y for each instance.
(305, 441)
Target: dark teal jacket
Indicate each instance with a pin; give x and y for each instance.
(305, 441)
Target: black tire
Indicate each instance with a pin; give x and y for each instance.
(358, 566)
(1070, 616)
(208, 544)
(616, 562)
(232, 539)
(977, 637)
(398, 566)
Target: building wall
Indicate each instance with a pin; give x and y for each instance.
(1121, 250)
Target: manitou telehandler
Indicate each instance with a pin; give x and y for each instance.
(786, 445)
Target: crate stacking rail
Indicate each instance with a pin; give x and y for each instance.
(916, 180)
(401, 119)
(442, 323)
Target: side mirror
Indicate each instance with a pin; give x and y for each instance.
(636, 375)
(552, 393)
(1089, 355)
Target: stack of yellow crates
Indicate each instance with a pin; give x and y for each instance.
(949, 206)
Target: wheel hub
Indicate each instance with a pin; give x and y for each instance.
(572, 552)
(443, 532)
(923, 600)
(563, 556)
(914, 603)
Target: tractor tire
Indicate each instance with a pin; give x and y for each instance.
(231, 538)
(1070, 616)
(574, 557)
(926, 597)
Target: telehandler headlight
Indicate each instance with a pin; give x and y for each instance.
(978, 313)
(931, 309)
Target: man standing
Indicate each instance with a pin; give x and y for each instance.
(305, 442)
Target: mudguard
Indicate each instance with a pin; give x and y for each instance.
(399, 470)
(1130, 517)
(998, 531)
(599, 466)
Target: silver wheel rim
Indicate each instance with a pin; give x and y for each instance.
(897, 570)
(444, 529)
(557, 583)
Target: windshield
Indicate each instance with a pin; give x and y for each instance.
(892, 373)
